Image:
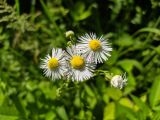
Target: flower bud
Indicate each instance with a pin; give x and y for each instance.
(69, 34)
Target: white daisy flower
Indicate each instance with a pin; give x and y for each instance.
(119, 81)
(54, 66)
(78, 68)
(96, 49)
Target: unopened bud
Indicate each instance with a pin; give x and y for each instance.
(69, 34)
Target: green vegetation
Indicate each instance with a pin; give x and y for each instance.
(28, 32)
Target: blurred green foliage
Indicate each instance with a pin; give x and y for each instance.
(133, 28)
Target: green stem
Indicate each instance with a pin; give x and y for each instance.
(147, 58)
(17, 7)
(48, 14)
(33, 2)
(107, 75)
(150, 34)
(73, 41)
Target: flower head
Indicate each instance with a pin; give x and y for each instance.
(78, 67)
(119, 81)
(54, 66)
(96, 49)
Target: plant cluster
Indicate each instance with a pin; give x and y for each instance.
(79, 61)
(31, 28)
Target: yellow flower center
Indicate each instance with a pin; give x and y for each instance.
(77, 62)
(53, 63)
(95, 44)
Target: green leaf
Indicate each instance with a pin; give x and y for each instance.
(125, 40)
(2, 97)
(109, 111)
(142, 106)
(62, 113)
(50, 115)
(152, 30)
(113, 59)
(8, 112)
(18, 106)
(81, 114)
(156, 116)
(116, 70)
(125, 113)
(131, 79)
(89, 91)
(92, 101)
(154, 96)
(48, 90)
(114, 93)
(5, 117)
(79, 12)
(105, 98)
(126, 102)
(157, 49)
(128, 64)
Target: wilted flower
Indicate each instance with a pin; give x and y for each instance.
(54, 66)
(96, 49)
(119, 81)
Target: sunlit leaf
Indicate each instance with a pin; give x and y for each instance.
(126, 102)
(8, 112)
(114, 93)
(125, 113)
(62, 113)
(154, 97)
(109, 112)
(144, 109)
